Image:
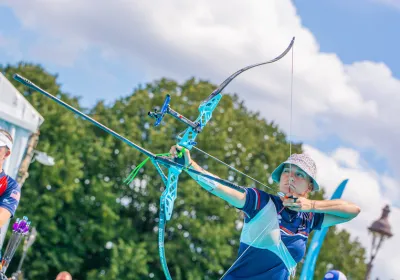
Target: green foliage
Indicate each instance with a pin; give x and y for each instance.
(94, 226)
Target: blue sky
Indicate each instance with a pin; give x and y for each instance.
(353, 30)
(356, 31)
(90, 77)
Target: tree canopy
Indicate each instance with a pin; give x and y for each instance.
(96, 227)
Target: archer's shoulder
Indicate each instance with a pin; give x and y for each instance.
(12, 184)
(260, 194)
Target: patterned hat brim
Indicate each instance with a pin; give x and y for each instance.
(276, 174)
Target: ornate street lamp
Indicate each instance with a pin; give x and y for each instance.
(381, 231)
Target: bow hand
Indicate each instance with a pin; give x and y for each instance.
(300, 204)
(180, 155)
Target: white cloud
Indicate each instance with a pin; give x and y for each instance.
(356, 103)
(348, 157)
(364, 188)
(391, 189)
(392, 3)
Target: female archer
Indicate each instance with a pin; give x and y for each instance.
(276, 228)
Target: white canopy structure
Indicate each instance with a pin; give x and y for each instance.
(21, 120)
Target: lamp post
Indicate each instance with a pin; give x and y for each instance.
(381, 231)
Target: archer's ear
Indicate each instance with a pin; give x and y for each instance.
(8, 153)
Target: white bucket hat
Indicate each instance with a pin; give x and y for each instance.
(4, 141)
(302, 161)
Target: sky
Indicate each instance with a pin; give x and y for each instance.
(345, 74)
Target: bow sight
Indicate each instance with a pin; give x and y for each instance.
(166, 109)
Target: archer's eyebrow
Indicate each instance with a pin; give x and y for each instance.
(295, 168)
(292, 167)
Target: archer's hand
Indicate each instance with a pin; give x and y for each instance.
(300, 204)
(176, 149)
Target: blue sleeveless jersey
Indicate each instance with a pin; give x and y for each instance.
(258, 263)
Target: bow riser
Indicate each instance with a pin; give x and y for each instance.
(206, 110)
(161, 232)
(171, 190)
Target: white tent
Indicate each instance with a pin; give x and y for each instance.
(21, 120)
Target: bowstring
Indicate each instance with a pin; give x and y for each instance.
(291, 116)
(290, 153)
(291, 105)
(231, 167)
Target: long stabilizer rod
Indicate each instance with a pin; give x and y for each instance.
(31, 85)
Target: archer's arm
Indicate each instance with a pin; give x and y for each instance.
(336, 211)
(232, 196)
(5, 215)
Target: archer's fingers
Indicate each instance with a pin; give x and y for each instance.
(297, 209)
(289, 200)
(291, 204)
(173, 151)
(181, 149)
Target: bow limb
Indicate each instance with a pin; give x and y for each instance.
(290, 263)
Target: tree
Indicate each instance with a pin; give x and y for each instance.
(70, 204)
(95, 226)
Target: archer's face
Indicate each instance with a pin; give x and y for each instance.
(294, 181)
